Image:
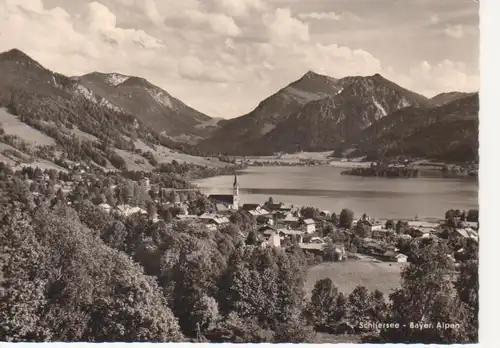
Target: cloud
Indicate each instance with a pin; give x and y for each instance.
(223, 56)
(217, 23)
(340, 61)
(193, 68)
(445, 76)
(102, 21)
(330, 16)
(435, 18)
(223, 24)
(454, 31)
(239, 8)
(282, 28)
(320, 15)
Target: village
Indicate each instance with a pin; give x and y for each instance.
(280, 225)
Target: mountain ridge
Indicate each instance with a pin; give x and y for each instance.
(311, 101)
(82, 125)
(134, 95)
(313, 113)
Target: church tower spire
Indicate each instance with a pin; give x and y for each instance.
(236, 193)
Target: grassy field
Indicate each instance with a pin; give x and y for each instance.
(12, 125)
(383, 276)
(166, 155)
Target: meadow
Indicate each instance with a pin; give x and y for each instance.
(383, 276)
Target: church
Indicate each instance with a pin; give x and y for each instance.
(228, 202)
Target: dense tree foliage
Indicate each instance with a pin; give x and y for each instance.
(428, 295)
(71, 271)
(346, 218)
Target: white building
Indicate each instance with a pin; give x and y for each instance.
(310, 225)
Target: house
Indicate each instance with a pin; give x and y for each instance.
(317, 240)
(265, 220)
(393, 256)
(271, 237)
(230, 201)
(471, 224)
(106, 207)
(273, 207)
(372, 223)
(258, 212)
(127, 210)
(315, 248)
(186, 217)
(251, 206)
(423, 227)
(324, 213)
(372, 248)
(213, 221)
(309, 225)
(467, 233)
(318, 249)
(291, 220)
(272, 240)
(382, 233)
(265, 228)
(287, 208)
(291, 234)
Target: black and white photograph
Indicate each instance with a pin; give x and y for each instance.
(239, 171)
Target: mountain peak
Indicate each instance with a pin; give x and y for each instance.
(312, 75)
(113, 78)
(17, 55)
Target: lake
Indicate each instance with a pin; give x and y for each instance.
(325, 188)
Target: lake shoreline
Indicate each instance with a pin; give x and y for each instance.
(325, 188)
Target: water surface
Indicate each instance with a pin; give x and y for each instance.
(325, 188)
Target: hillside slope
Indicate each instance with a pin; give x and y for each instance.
(236, 134)
(151, 104)
(83, 125)
(447, 132)
(337, 112)
(448, 97)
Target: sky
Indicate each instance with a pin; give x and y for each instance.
(223, 57)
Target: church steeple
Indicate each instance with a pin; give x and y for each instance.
(236, 193)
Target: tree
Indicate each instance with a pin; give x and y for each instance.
(346, 218)
(326, 307)
(309, 212)
(473, 215)
(358, 306)
(390, 225)
(115, 235)
(334, 219)
(329, 251)
(467, 286)
(400, 227)
(427, 294)
(251, 239)
(79, 289)
(294, 331)
(363, 230)
(92, 216)
(235, 329)
(206, 313)
(151, 210)
(378, 307)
